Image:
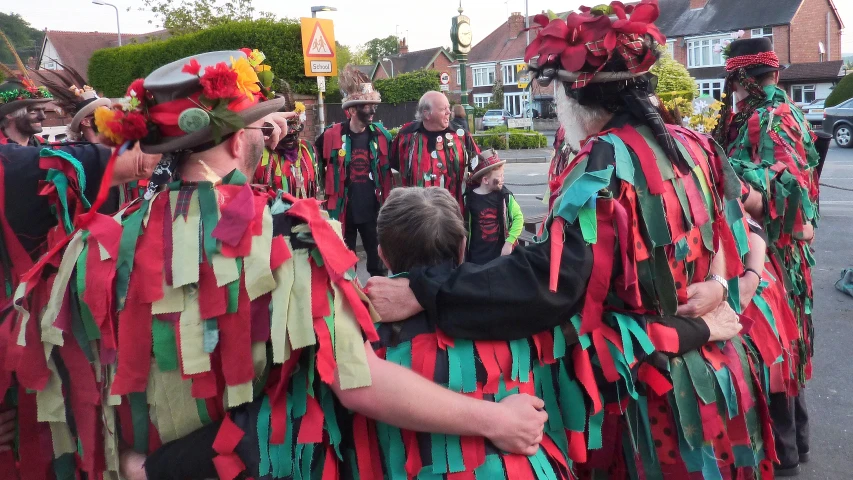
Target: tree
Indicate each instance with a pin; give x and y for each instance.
(673, 79)
(180, 17)
(26, 39)
(497, 96)
(841, 92)
(378, 48)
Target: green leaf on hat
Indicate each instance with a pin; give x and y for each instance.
(265, 78)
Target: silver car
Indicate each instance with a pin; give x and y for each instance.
(814, 112)
(495, 118)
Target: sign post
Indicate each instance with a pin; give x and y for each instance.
(445, 82)
(318, 48)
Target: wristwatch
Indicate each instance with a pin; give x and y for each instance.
(722, 281)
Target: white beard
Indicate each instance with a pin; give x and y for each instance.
(578, 121)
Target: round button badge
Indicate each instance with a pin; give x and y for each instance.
(449, 136)
(434, 154)
(460, 132)
(193, 119)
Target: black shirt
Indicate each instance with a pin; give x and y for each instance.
(485, 240)
(362, 204)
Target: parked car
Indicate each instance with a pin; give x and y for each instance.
(838, 122)
(814, 111)
(495, 118)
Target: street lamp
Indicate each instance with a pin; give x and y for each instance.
(118, 28)
(321, 8)
(386, 59)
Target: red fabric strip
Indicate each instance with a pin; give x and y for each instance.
(557, 241)
(605, 359)
(646, 155)
(204, 385)
(279, 252)
(134, 338)
(518, 467)
(337, 257)
(664, 338)
(653, 378)
(85, 398)
(424, 354)
(584, 373)
(228, 464)
(330, 464)
(414, 462)
(235, 342)
(34, 440)
(361, 313)
(319, 287)
(213, 300)
(602, 269)
(326, 363)
(311, 429)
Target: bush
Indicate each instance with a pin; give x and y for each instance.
(518, 139)
(407, 87)
(111, 70)
(673, 79)
(842, 92)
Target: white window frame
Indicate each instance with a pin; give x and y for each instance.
(509, 72)
(711, 87)
(483, 75)
(760, 32)
(803, 89)
(670, 47)
(458, 77)
(482, 99)
(514, 103)
(700, 46)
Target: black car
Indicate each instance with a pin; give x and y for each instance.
(838, 122)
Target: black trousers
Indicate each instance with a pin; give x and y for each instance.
(370, 241)
(790, 427)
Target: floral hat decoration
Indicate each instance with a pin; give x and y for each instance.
(192, 102)
(579, 50)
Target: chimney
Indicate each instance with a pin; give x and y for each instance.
(403, 48)
(696, 4)
(516, 24)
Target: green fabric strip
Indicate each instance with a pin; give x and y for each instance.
(663, 162)
(703, 382)
(692, 457)
(710, 469)
(491, 469)
(648, 453)
(165, 345)
(559, 343)
(439, 452)
(92, 330)
(209, 218)
(132, 227)
(211, 335)
(682, 249)
(571, 402)
(233, 289)
(391, 443)
(623, 369)
(203, 414)
(265, 466)
(589, 224)
(681, 193)
(462, 372)
(664, 283)
(624, 164)
(689, 418)
(454, 454)
(299, 398)
(400, 354)
(139, 417)
(520, 350)
(651, 207)
(581, 191)
(544, 380)
(64, 467)
(327, 401)
(724, 380)
(584, 340)
(595, 423)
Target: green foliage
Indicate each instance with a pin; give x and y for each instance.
(381, 47)
(407, 87)
(180, 17)
(673, 79)
(518, 139)
(111, 70)
(497, 95)
(345, 55)
(26, 39)
(841, 92)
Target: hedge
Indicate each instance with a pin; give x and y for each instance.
(407, 87)
(842, 92)
(518, 139)
(111, 70)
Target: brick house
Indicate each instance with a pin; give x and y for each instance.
(806, 35)
(74, 49)
(405, 61)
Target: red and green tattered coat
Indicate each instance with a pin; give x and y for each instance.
(654, 229)
(63, 184)
(181, 306)
(334, 147)
(444, 165)
(292, 172)
(775, 154)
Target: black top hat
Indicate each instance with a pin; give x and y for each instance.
(753, 46)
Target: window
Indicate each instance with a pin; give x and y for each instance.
(510, 73)
(458, 77)
(705, 52)
(803, 93)
(762, 32)
(483, 76)
(713, 88)
(670, 47)
(481, 101)
(513, 103)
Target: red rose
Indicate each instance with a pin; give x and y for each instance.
(137, 87)
(247, 51)
(192, 68)
(219, 81)
(134, 126)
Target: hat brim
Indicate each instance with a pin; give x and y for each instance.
(10, 107)
(84, 112)
(486, 170)
(249, 115)
(358, 103)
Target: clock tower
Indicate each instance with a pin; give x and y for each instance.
(462, 37)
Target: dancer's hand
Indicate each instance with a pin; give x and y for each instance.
(518, 429)
(702, 298)
(132, 465)
(723, 323)
(392, 298)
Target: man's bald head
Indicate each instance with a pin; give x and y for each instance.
(434, 111)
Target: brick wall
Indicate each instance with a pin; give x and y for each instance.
(809, 27)
(679, 51)
(312, 121)
(781, 43)
(380, 73)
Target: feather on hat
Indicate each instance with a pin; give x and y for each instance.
(78, 102)
(357, 89)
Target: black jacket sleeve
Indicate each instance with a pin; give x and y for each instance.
(692, 332)
(27, 212)
(509, 297)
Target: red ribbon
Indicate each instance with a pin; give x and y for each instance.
(764, 58)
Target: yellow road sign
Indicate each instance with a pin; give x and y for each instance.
(318, 47)
(523, 81)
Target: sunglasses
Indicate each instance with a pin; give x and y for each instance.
(266, 130)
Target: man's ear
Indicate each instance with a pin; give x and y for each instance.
(384, 260)
(237, 143)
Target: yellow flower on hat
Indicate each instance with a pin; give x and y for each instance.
(256, 58)
(247, 78)
(103, 117)
(262, 68)
(299, 107)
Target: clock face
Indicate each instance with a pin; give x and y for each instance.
(465, 36)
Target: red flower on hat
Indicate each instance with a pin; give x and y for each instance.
(192, 68)
(134, 126)
(219, 81)
(641, 21)
(137, 87)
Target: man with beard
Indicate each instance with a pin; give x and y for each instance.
(292, 165)
(208, 295)
(429, 152)
(772, 148)
(659, 207)
(72, 93)
(358, 174)
(22, 111)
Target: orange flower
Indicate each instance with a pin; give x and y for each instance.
(247, 78)
(105, 116)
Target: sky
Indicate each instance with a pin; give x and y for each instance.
(425, 24)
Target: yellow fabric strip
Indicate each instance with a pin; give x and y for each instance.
(239, 394)
(284, 276)
(50, 404)
(225, 270)
(172, 301)
(111, 449)
(24, 314)
(185, 241)
(171, 400)
(62, 440)
(259, 278)
(112, 400)
(300, 323)
(193, 357)
(259, 358)
(49, 333)
(349, 346)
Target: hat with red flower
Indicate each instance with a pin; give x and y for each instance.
(607, 43)
(484, 163)
(192, 103)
